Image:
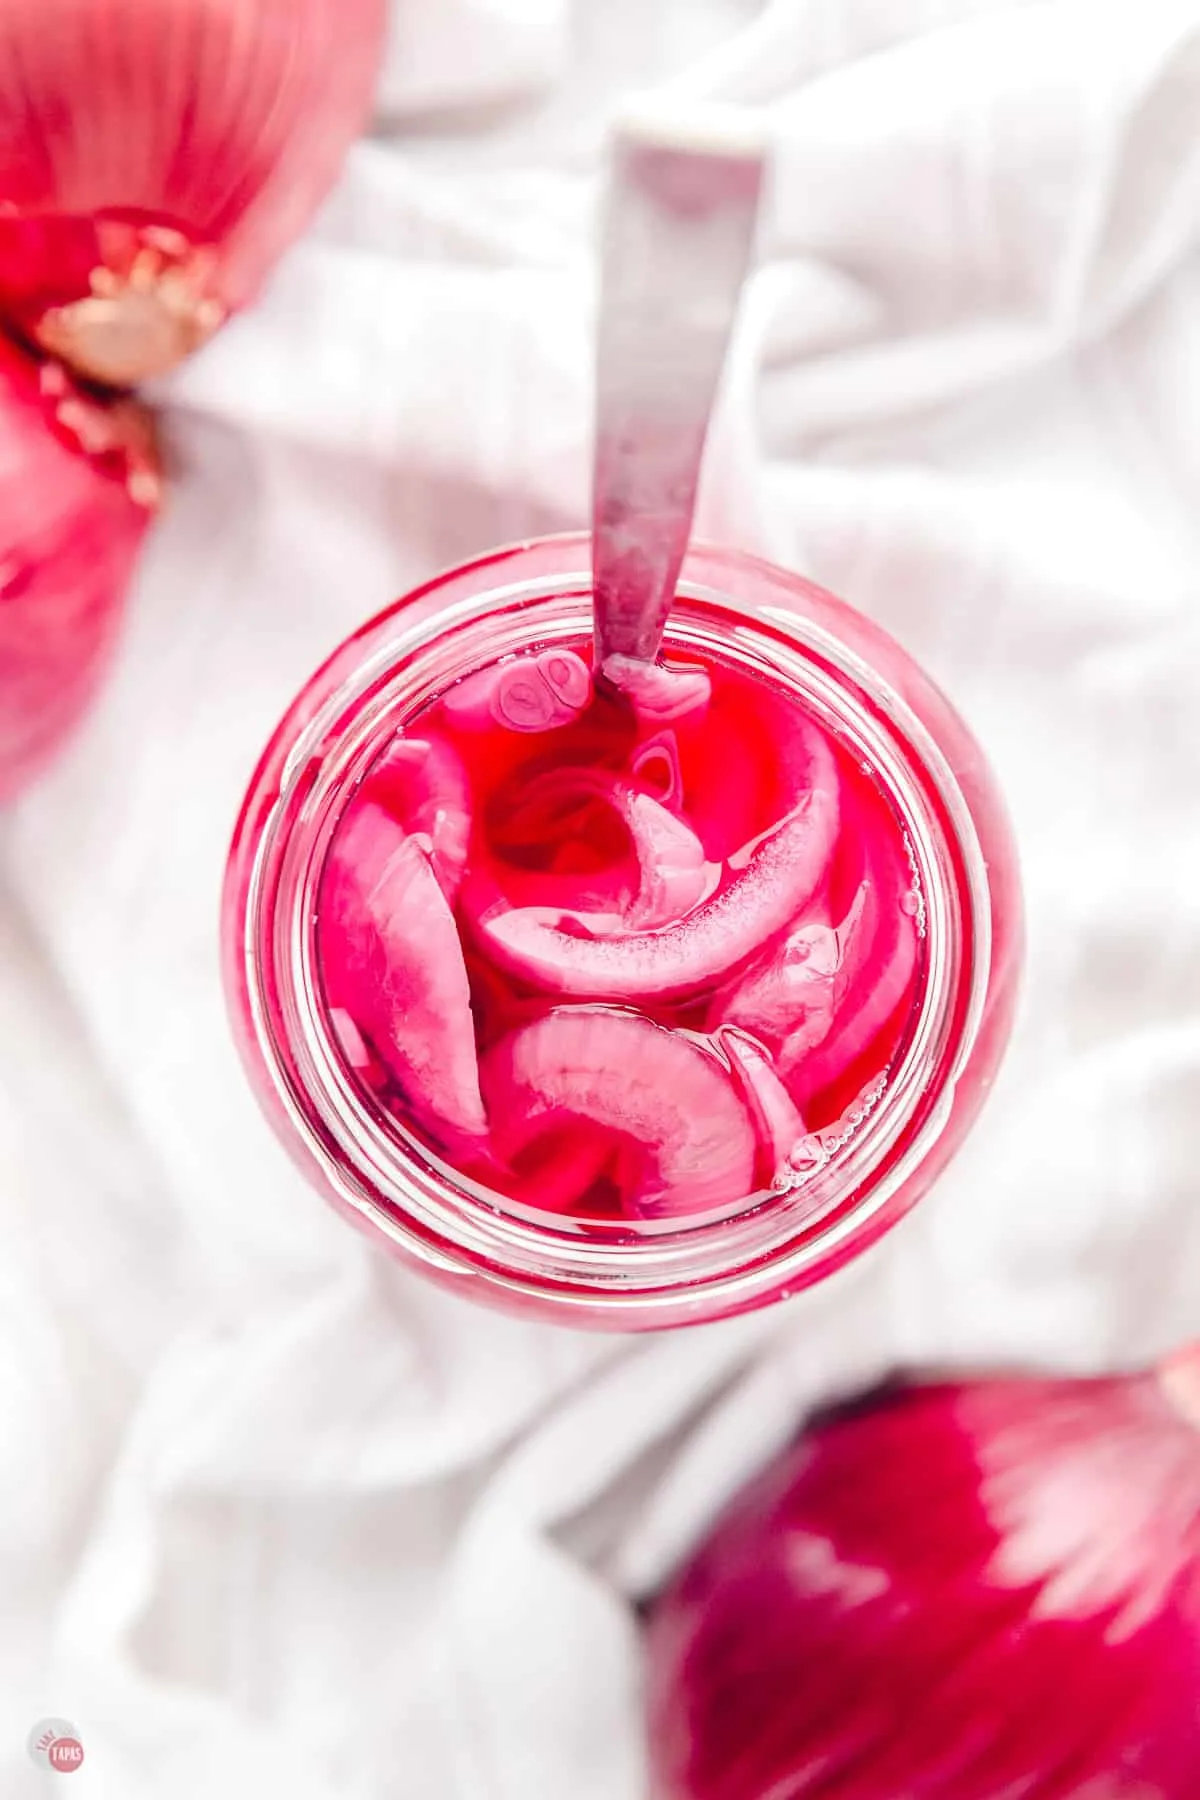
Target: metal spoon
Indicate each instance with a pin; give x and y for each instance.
(679, 232)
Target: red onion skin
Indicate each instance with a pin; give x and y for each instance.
(156, 159)
(965, 1591)
(77, 487)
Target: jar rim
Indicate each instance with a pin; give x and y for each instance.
(673, 1270)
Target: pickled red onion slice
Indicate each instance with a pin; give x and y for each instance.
(880, 960)
(866, 1011)
(790, 999)
(744, 765)
(682, 1140)
(672, 872)
(527, 693)
(675, 871)
(781, 874)
(655, 767)
(469, 702)
(793, 984)
(780, 1125)
(655, 690)
(423, 782)
(524, 700)
(568, 678)
(391, 957)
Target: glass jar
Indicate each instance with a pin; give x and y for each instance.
(862, 1179)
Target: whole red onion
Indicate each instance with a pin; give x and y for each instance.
(964, 1591)
(78, 483)
(156, 156)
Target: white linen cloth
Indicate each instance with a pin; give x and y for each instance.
(280, 1518)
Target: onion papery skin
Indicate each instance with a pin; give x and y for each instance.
(958, 1591)
(78, 487)
(156, 159)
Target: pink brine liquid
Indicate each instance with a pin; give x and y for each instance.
(621, 956)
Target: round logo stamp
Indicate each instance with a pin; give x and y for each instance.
(55, 1744)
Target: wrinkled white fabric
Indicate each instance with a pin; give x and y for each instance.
(279, 1517)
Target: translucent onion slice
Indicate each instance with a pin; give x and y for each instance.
(778, 1121)
(656, 691)
(391, 957)
(789, 999)
(682, 1139)
(672, 871)
(879, 947)
(776, 879)
(423, 782)
(655, 767)
(527, 693)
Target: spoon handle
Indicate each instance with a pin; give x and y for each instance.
(678, 237)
